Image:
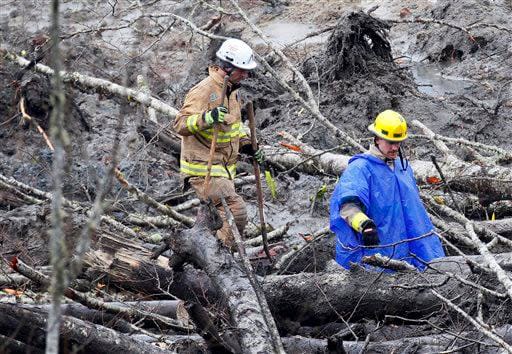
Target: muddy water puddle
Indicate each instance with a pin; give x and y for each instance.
(431, 81)
(285, 33)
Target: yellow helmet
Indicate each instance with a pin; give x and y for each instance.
(389, 125)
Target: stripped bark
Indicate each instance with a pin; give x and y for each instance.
(277, 233)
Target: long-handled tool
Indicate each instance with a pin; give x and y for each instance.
(259, 191)
(213, 146)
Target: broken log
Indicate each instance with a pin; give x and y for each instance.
(128, 265)
(169, 308)
(463, 343)
(255, 285)
(201, 247)
(130, 269)
(30, 327)
(501, 226)
(10, 345)
(13, 280)
(11, 199)
(93, 302)
(316, 299)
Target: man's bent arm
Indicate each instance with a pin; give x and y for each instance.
(353, 214)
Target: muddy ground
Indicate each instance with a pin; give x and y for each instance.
(456, 83)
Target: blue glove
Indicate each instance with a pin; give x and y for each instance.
(216, 115)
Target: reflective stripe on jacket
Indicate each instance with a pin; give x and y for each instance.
(196, 135)
(200, 169)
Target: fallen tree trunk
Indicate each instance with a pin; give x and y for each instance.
(293, 295)
(352, 295)
(458, 342)
(30, 327)
(13, 280)
(501, 226)
(10, 345)
(11, 200)
(96, 84)
(169, 308)
(488, 182)
(186, 344)
(128, 265)
(201, 247)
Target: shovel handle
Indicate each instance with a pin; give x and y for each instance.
(257, 174)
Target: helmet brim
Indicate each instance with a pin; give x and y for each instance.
(372, 129)
(249, 66)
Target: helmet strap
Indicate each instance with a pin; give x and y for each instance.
(226, 66)
(402, 159)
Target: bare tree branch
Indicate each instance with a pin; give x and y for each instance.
(480, 326)
(59, 255)
(101, 85)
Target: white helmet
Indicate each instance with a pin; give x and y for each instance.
(237, 53)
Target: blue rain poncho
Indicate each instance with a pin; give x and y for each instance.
(391, 199)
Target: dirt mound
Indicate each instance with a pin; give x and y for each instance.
(444, 43)
(468, 55)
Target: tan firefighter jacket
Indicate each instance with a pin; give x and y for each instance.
(197, 135)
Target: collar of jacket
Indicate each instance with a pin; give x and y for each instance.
(374, 150)
(215, 73)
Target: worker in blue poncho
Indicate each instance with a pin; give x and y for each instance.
(376, 207)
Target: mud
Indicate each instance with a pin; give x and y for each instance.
(456, 85)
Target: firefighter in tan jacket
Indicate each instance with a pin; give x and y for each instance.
(201, 110)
